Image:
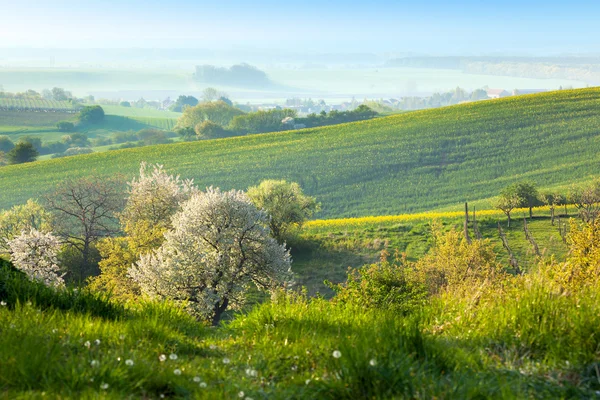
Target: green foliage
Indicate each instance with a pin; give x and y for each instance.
(65, 126)
(23, 152)
(261, 121)
(125, 104)
(91, 115)
(23, 217)
(182, 102)
(6, 144)
(384, 166)
(387, 285)
(287, 205)
(218, 112)
(208, 130)
(16, 289)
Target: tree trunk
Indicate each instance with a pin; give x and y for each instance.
(530, 212)
(552, 215)
(219, 309)
(508, 215)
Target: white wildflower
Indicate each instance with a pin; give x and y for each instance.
(162, 358)
(94, 363)
(104, 386)
(129, 362)
(177, 371)
(226, 360)
(337, 354)
(173, 356)
(202, 384)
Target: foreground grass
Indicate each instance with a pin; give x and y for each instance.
(406, 163)
(77, 345)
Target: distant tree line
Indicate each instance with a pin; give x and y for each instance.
(217, 119)
(237, 75)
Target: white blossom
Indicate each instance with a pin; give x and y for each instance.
(337, 354)
(35, 253)
(219, 244)
(155, 196)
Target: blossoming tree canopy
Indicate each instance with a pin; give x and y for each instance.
(220, 243)
(35, 253)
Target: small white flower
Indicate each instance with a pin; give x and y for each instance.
(248, 398)
(122, 337)
(241, 395)
(91, 379)
(197, 379)
(372, 363)
(94, 363)
(307, 381)
(3, 303)
(173, 356)
(226, 360)
(337, 354)
(212, 347)
(97, 342)
(162, 358)
(129, 362)
(87, 344)
(177, 371)
(251, 372)
(202, 384)
(104, 386)
(54, 330)
(294, 368)
(119, 359)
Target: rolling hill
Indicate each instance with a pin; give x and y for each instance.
(406, 163)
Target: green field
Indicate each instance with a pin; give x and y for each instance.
(406, 163)
(16, 124)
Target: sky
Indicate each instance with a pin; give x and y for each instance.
(470, 27)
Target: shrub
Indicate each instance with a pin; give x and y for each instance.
(91, 114)
(385, 285)
(453, 263)
(23, 152)
(209, 130)
(65, 126)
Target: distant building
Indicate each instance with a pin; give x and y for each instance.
(497, 93)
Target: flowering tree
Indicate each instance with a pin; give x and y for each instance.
(21, 218)
(34, 253)
(219, 245)
(155, 196)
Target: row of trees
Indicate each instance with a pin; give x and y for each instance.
(586, 198)
(209, 120)
(165, 239)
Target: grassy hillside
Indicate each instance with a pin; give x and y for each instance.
(517, 342)
(325, 249)
(118, 119)
(406, 163)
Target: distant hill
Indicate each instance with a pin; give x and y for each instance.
(405, 163)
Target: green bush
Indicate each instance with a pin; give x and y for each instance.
(385, 285)
(65, 126)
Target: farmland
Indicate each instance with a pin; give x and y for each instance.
(118, 119)
(29, 104)
(407, 163)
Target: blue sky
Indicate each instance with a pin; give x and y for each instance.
(426, 26)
